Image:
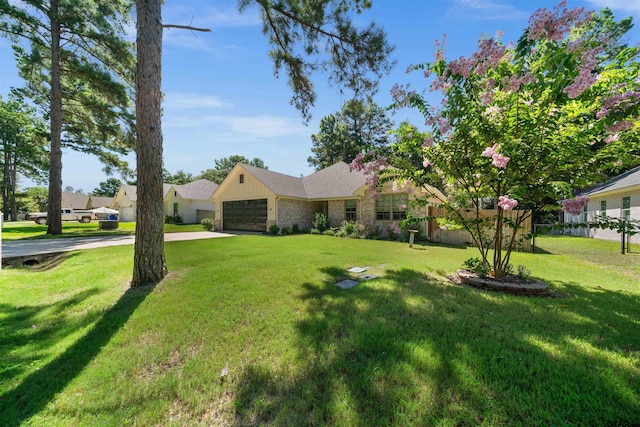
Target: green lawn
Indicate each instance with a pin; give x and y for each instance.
(31, 230)
(408, 348)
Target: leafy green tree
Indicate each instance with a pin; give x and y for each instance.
(299, 33)
(22, 149)
(522, 125)
(224, 165)
(107, 188)
(180, 177)
(35, 199)
(78, 71)
(356, 127)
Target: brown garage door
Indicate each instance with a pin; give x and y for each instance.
(245, 215)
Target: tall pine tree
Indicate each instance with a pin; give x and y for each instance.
(299, 33)
(78, 70)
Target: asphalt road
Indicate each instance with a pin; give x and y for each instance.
(16, 248)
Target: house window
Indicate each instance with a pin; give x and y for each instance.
(391, 206)
(350, 210)
(241, 178)
(603, 207)
(175, 210)
(626, 208)
(584, 213)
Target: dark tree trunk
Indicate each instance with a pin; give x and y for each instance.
(54, 217)
(149, 265)
(11, 188)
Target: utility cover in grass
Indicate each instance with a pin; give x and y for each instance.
(367, 277)
(347, 284)
(357, 269)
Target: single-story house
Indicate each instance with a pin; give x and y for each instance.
(75, 201)
(253, 199)
(191, 202)
(617, 198)
(99, 202)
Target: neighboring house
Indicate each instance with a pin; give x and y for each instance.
(253, 199)
(617, 198)
(191, 202)
(75, 201)
(99, 202)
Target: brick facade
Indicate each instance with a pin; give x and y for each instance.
(299, 212)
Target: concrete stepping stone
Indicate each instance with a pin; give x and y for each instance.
(347, 284)
(357, 270)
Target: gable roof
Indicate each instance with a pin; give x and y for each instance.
(74, 200)
(279, 183)
(335, 181)
(99, 202)
(201, 189)
(629, 178)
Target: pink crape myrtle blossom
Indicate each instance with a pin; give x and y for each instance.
(395, 229)
(490, 151)
(426, 163)
(574, 206)
(507, 203)
(612, 138)
(499, 160)
(586, 75)
(553, 25)
(618, 163)
(620, 126)
(370, 169)
(402, 207)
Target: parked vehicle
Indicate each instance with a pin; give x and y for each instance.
(68, 214)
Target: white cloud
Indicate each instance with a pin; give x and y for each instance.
(260, 126)
(487, 10)
(237, 127)
(185, 101)
(629, 6)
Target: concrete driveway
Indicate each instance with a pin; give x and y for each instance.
(19, 248)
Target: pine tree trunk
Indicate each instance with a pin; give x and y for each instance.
(54, 215)
(149, 265)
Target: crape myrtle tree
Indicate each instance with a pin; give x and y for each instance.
(521, 124)
(304, 37)
(357, 126)
(78, 71)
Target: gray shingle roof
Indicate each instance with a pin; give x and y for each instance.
(74, 200)
(333, 182)
(201, 189)
(279, 183)
(98, 202)
(624, 180)
(132, 191)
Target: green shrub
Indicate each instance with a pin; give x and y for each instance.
(295, 229)
(208, 224)
(315, 231)
(286, 231)
(353, 230)
(329, 232)
(320, 221)
(274, 229)
(169, 220)
(477, 266)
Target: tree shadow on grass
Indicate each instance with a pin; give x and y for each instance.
(406, 349)
(39, 388)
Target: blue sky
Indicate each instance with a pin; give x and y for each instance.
(221, 97)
